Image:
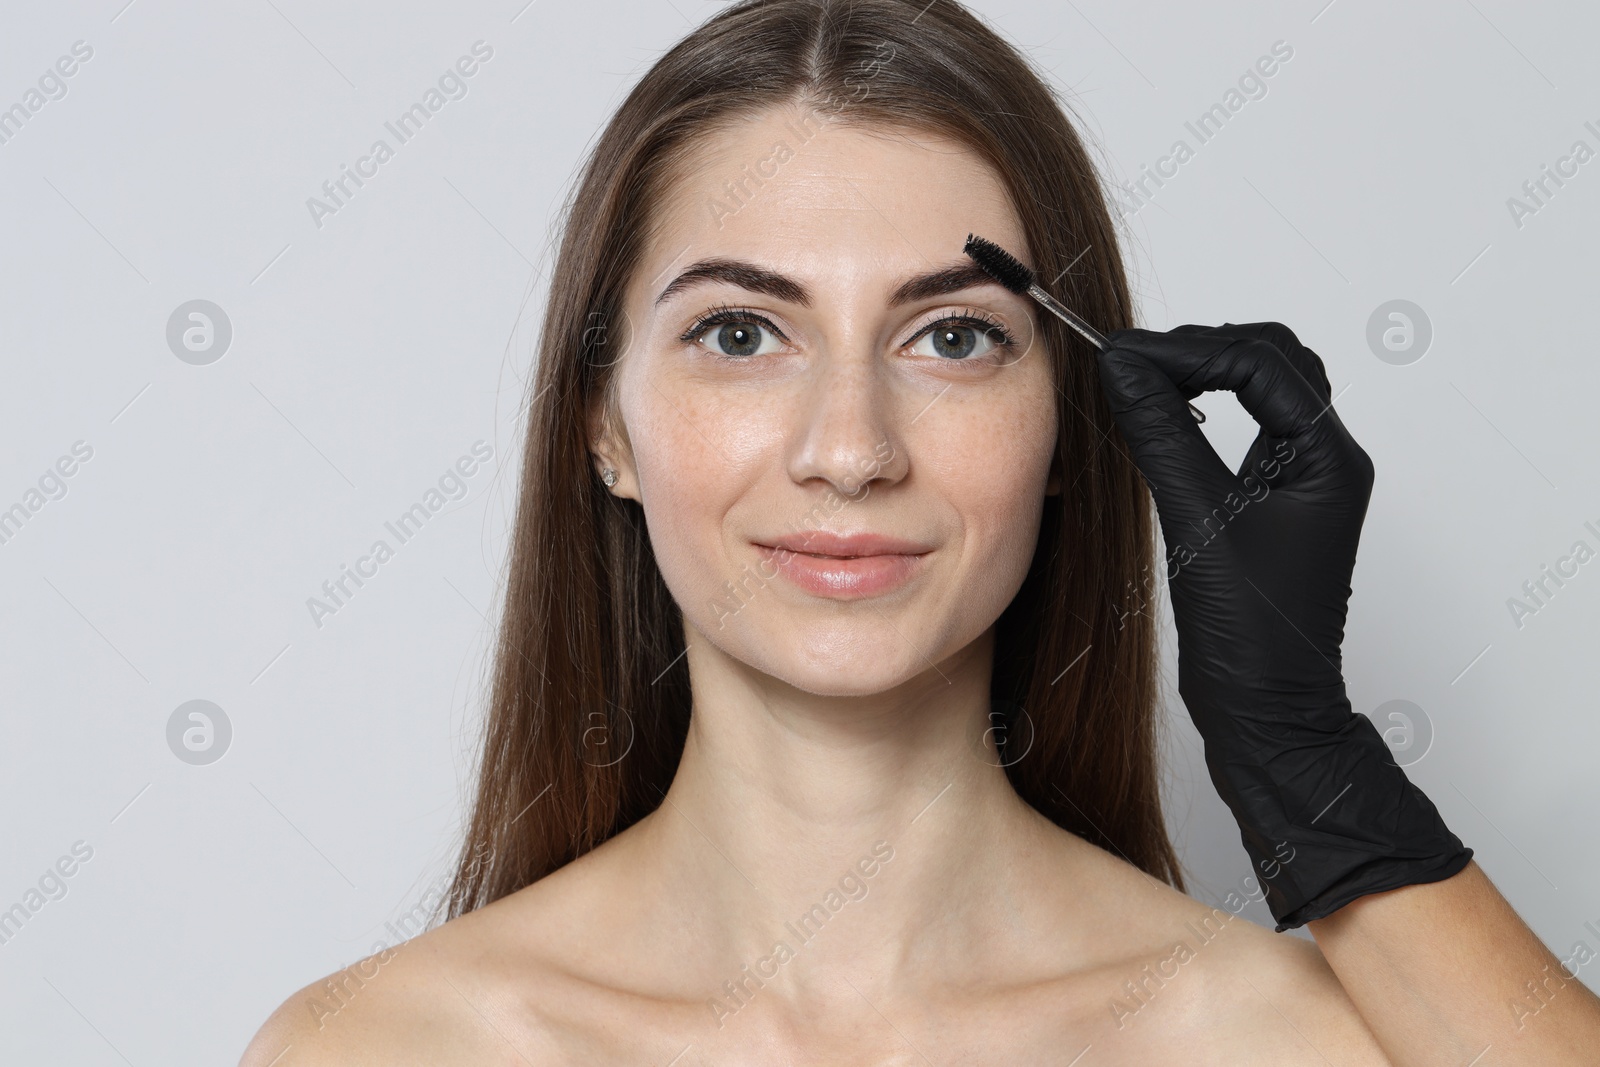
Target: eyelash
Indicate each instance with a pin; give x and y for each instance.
(967, 316)
(721, 315)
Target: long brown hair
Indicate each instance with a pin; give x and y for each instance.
(589, 663)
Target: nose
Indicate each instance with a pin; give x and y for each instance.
(846, 433)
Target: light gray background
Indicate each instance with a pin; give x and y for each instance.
(369, 354)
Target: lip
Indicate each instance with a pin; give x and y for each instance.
(845, 566)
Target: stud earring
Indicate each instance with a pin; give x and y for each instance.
(608, 476)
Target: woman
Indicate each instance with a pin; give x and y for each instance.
(823, 725)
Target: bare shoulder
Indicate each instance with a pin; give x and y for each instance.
(470, 991)
(523, 979)
(391, 1008)
(1285, 984)
(500, 984)
(1205, 980)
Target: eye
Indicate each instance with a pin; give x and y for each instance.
(962, 338)
(735, 334)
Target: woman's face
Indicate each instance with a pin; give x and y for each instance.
(840, 432)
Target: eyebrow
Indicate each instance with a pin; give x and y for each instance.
(759, 279)
(963, 275)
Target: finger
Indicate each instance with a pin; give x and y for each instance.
(1185, 474)
(1262, 458)
(1265, 451)
(1267, 384)
(1304, 360)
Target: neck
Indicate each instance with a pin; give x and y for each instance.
(793, 816)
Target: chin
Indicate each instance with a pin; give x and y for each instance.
(842, 657)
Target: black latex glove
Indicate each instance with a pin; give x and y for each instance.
(1259, 569)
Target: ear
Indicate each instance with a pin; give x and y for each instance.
(1052, 487)
(610, 448)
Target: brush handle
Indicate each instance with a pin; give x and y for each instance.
(1071, 318)
(1089, 333)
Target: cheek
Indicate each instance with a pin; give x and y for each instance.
(992, 472)
(991, 463)
(696, 455)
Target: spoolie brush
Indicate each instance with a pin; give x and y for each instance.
(1017, 276)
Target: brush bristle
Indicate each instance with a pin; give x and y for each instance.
(999, 264)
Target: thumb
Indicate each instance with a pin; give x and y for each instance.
(1186, 476)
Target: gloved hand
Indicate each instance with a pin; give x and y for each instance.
(1259, 567)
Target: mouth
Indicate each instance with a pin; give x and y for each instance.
(845, 567)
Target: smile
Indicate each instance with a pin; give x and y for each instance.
(845, 568)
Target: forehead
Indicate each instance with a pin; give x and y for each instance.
(802, 190)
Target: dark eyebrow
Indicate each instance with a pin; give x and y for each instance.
(952, 279)
(757, 279)
(744, 274)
